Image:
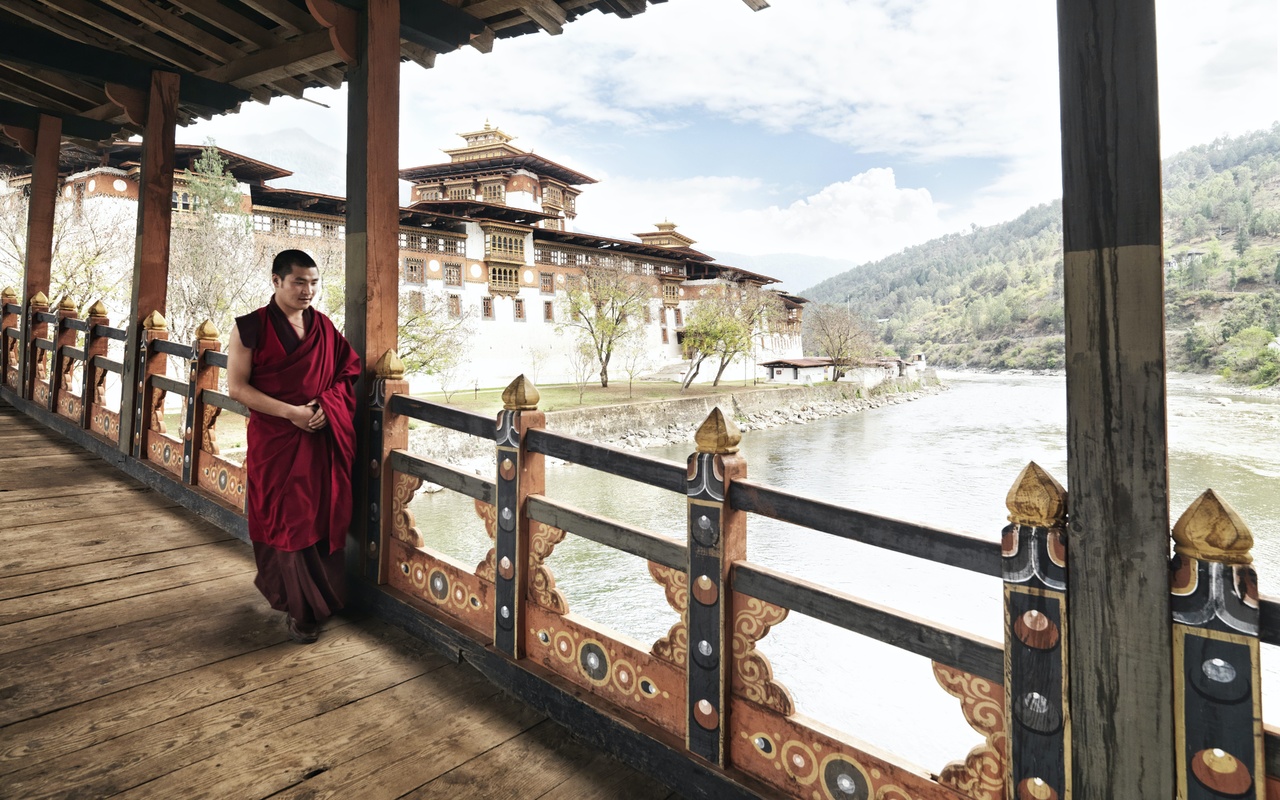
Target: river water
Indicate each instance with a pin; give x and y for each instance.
(945, 460)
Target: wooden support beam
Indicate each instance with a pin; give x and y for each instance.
(151, 253)
(1122, 730)
(45, 148)
(119, 29)
(175, 27)
(373, 203)
(39, 48)
(294, 19)
(483, 41)
(756, 5)
(307, 52)
(133, 102)
(78, 91)
(24, 116)
(340, 21)
(549, 16)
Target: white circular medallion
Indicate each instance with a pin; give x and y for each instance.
(92, 184)
(119, 185)
(475, 270)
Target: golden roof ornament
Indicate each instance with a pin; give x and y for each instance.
(208, 330)
(155, 321)
(718, 434)
(40, 300)
(98, 309)
(521, 395)
(389, 366)
(1211, 530)
(1036, 498)
(9, 295)
(67, 304)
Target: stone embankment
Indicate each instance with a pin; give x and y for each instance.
(636, 426)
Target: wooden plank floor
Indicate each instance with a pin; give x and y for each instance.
(137, 660)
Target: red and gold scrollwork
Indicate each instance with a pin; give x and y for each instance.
(209, 440)
(981, 774)
(402, 518)
(488, 569)
(542, 584)
(753, 675)
(157, 410)
(673, 647)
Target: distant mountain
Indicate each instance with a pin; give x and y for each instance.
(992, 298)
(792, 269)
(316, 166)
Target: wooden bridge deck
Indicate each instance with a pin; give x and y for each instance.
(137, 660)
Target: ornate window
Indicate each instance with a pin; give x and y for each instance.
(486, 307)
(452, 274)
(548, 311)
(455, 305)
(305, 227)
(461, 193)
(504, 279)
(519, 309)
(664, 336)
(648, 314)
(504, 247)
(416, 302)
(679, 318)
(413, 270)
(546, 283)
(670, 294)
(494, 193)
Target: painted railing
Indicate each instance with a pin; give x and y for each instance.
(704, 689)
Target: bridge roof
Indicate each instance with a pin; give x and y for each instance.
(79, 59)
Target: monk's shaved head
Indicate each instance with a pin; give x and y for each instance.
(286, 260)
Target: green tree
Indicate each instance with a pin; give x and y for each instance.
(604, 304)
(1241, 243)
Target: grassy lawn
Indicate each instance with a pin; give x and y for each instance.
(560, 397)
(230, 427)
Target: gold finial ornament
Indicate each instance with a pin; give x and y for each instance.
(718, 434)
(1036, 498)
(9, 295)
(389, 366)
(155, 321)
(98, 309)
(521, 395)
(208, 330)
(40, 300)
(67, 304)
(1211, 530)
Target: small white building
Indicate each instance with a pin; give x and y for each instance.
(797, 370)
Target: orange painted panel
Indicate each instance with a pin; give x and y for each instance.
(435, 579)
(222, 478)
(164, 451)
(104, 422)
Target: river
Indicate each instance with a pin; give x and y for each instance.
(945, 460)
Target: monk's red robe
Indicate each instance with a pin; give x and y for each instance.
(298, 490)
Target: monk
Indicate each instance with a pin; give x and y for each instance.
(296, 373)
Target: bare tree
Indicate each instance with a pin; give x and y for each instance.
(604, 303)
(431, 339)
(213, 270)
(582, 363)
(635, 358)
(839, 334)
(449, 377)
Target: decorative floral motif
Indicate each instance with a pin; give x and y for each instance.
(981, 775)
(402, 518)
(100, 388)
(157, 410)
(753, 674)
(542, 584)
(673, 647)
(209, 440)
(488, 569)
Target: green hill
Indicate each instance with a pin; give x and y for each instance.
(992, 298)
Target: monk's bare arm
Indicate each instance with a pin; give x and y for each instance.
(239, 370)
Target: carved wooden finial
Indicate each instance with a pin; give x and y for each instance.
(155, 321)
(521, 395)
(208, 330)
(98, 309)
(67, 304)
(1036, 498)
(717, 434)
(389, 366)
(40, 300)
(1211, 530)
(9, 295)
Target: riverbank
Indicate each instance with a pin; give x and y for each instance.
(639, 426)
(1188, 382)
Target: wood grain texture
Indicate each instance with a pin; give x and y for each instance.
(1119, 632)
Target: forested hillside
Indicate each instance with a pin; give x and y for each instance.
(992, 298)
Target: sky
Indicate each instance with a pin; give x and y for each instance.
(840, 129)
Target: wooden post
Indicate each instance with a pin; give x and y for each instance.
(1217, 676)
(150, 405)
(94, 345)
(10, 350)
(199, 423)
(387, 432)
(151, 252)
(62, 337)
(373, 217)
(39, 261)
(34, 364)
(1118, 631)
(717, 538)
(1034, 565)
(520, 474)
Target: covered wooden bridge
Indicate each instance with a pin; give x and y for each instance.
(1146, 686)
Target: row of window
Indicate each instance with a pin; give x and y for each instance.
(561, 258)
(291, 226)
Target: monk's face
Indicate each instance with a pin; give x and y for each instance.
(296, 291)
